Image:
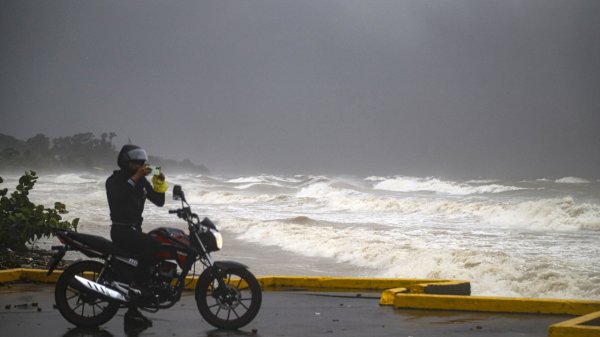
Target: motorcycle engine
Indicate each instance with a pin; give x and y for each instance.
(167, 270)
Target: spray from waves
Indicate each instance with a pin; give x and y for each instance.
(399, 255)
(413, 184)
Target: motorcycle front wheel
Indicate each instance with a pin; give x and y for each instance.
(79, 305)
(230, 306)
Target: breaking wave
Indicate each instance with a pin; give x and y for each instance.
(413, 184)
(572, 180)
(547, 214)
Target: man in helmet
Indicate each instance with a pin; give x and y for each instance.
(127, 190)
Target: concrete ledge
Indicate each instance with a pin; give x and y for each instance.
(496, 304)
(584, 326)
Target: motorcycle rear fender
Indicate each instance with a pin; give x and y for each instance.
(224, 266)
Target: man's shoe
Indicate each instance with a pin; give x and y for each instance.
(134, 316)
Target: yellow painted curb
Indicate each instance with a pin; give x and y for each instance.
(10, 275)
(342, 283)
(26, 274)
(315, 283)
(496, 304)
(584, 326)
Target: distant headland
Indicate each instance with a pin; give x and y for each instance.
(80, 152)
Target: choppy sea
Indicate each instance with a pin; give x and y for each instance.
(533, 238)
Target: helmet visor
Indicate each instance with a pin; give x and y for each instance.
(137, 155)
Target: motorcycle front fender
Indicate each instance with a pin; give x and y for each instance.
(224, 266)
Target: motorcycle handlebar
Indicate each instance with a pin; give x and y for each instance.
(192, 218)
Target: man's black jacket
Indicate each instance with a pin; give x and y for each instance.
(126, 199)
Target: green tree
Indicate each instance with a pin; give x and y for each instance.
(22, 221)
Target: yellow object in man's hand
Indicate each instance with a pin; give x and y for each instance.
(159, 185)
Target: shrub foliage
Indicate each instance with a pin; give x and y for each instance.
(22, 221)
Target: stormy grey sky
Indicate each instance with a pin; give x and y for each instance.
(448, 87)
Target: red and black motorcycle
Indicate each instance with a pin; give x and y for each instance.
(89, 292)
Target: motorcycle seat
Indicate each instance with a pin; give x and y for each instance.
(99, 243)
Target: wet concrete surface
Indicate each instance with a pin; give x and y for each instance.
(27, 310)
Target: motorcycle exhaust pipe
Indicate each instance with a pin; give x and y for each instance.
(101, 290)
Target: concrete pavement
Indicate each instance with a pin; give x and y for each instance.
(283, 313)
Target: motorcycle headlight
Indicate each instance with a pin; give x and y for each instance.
(218, 238)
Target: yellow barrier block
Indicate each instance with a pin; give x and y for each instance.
(442, 288)
(388, 296)
(496, 304)
(584, 326)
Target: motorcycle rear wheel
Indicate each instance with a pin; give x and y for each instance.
(79, 305)
(230, 307)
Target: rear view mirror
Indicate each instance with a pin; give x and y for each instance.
(178, 193)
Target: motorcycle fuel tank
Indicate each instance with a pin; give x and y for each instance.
(175, 237)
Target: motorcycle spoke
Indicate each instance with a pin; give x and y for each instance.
(218, 310)
(72, 297)
(236, 314)
(98, 306)
(77, 307)
(212, 306)
(243, 305)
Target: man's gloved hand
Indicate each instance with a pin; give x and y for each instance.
(159, 184)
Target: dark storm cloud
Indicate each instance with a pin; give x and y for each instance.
(370, 87)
